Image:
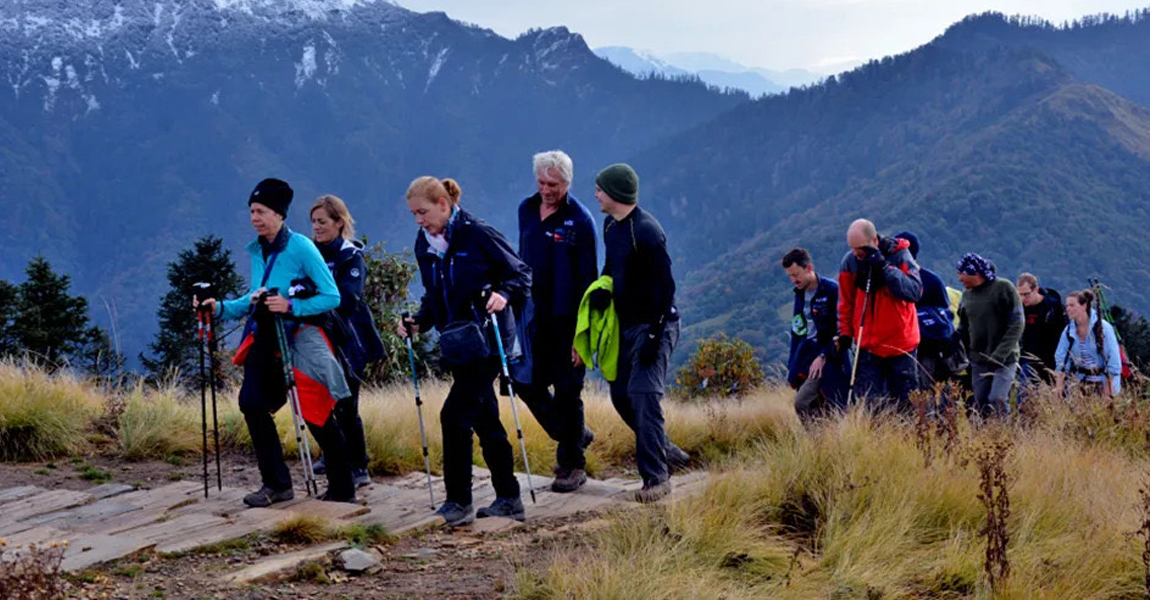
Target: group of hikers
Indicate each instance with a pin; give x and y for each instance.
(887, 327)
(539, 316)
(546, 311)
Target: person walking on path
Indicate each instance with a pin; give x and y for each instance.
(1088, 349)
(879, 284)
(644, 301)
(990, 324)
(557, 240)
(469, 274)
(813, 367)
(1045, 322)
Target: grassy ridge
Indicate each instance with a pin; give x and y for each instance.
(850, 511)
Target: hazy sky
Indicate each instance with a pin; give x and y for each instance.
(820, 35)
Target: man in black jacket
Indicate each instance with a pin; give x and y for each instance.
(1045, 321)
(644, 296)
(557, 240)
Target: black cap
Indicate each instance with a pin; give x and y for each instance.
(275, 194)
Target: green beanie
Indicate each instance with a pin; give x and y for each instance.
(620, 182)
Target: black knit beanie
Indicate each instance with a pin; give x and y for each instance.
(620, 182)
(274, 194)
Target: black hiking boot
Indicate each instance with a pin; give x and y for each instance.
(677, 459)
(586, 439)
(318, 467)
(653, 492)
(504, 507)
(456, 515)
(360, 478)
(265, 497)
(568, 480)
(328, 496)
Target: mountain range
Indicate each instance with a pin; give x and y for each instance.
(712, 69)
(129, 129)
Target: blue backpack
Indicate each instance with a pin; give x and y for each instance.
(935, 323)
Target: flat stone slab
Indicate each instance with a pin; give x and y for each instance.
(277, 567)
(41, 503)
(331, 511)
(174, 528)
(92, 549)
(244, 523)
(108, 490)
(89, 513)
(17, 493)
(493, 525)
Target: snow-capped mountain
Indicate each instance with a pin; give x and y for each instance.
(128, 128)
(711, 68)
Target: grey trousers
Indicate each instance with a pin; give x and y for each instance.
(992, 387)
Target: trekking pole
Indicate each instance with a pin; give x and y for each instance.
(296, 411)
(858, 343)
(418, 407)
(203, 397)
(204, 332)
(208, 318)
(511, 393)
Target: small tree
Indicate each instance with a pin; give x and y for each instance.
(9, 297)
(389, 275)
(1134, 330)
(50, 325)
(175, 346)
(720, 367)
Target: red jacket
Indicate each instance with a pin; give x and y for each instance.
(891, 325)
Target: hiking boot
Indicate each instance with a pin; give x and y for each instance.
(677, 459)
(328, 496)
(653, 492)
(318, 467)
(568, 480)
(360, 478)
(456, 515)
(266, 496)
(586, 439)
(504, 507)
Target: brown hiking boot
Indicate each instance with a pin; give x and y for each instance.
(568, 480)
(653, 493)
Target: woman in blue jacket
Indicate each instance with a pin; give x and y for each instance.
(468, 271)
(1088, 349)
(333, 231)
(283, 261)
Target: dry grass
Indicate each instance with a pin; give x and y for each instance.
(853, 503)
(41, 415)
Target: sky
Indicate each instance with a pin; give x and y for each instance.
(824, 36)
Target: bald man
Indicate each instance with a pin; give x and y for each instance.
(881, 275)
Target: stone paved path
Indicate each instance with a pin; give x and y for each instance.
(114, 520)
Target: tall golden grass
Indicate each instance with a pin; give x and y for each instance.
(849, 510)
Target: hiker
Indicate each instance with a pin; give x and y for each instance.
(643, 296)
(813, 367)
(356, 339)
(990, 323)
(557, 240)
(283, 260)
(939, 357)
(1087, 350)
(1045, 322)
(460, 257)
(883, 323)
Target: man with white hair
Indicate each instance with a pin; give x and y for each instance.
(557, 240)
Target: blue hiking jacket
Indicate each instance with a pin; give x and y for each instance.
(804, 350)
(296, 258)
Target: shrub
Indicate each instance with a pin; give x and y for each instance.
(155, 424)
(32, 572)
(720, 367)
(43, 416)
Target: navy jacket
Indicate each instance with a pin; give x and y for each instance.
(359, 340)
(804, 350)
(477, 256)
(561, 252)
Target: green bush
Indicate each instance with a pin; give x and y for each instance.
(720, 366)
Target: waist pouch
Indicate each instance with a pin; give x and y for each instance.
(461, 343)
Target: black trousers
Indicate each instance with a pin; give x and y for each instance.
(559, 413)
(350, 423)
(471, 406)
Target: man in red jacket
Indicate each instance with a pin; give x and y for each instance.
(887, 334)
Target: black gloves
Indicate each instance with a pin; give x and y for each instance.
(599, 299)
(651, 342)
(843, 343)
(874, 258)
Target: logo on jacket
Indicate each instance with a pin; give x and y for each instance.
(355, 272)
